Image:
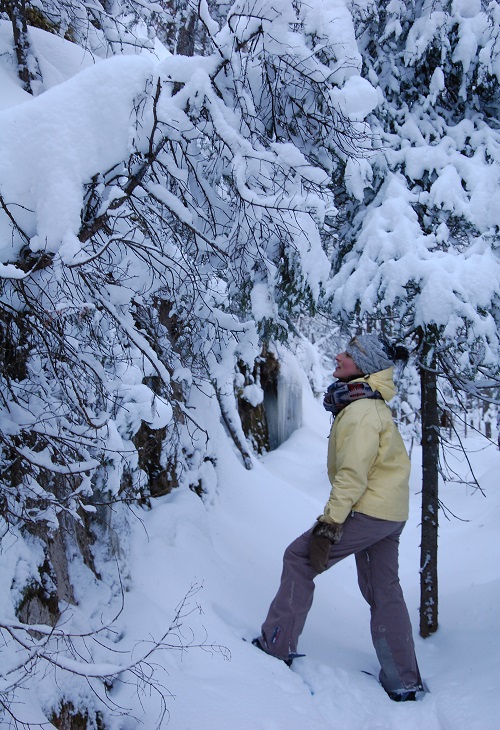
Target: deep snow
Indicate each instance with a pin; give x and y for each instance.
(225, 551)
(231, 547)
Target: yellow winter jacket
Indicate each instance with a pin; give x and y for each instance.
(368, 465)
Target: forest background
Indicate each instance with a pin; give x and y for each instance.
(198, 201)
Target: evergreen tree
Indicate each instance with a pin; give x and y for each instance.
(419, 226)
(159, 230)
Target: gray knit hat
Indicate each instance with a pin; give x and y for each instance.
(370, 353)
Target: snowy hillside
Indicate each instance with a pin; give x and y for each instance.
(233, 547)
(227, 553)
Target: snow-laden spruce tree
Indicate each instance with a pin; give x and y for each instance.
(419, 240)
(159, 221)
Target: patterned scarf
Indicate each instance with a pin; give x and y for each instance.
(340, 394)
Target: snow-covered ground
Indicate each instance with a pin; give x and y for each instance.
(231, 548)
(224, 554)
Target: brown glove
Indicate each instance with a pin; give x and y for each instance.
(324, 534)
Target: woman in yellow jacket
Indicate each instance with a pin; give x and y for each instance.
(368, 468)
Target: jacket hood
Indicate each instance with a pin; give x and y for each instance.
(383, 381)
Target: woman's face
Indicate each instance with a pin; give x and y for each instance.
(346, 367)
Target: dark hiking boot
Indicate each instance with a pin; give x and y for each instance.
(409, 695)
(406, 696)
(288, 662)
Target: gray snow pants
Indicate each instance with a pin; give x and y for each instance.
(375, 545)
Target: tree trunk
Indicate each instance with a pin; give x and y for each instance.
(188, 20)
(27, 65)
(430, 502)
(233, 424)
(187, 32)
